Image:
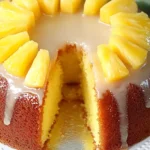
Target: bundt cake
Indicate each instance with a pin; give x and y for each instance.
(103, 62)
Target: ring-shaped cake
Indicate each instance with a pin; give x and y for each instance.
(107, 59)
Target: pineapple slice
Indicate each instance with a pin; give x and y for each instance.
(139, 20)
(70, 6)
(112, 66)
(19, 63)
(138, 36)
(11, 12)
(131, 54)
(92, 7)
(11, 43)
(49, 7)
(37, 75)
(8, 28)
(115, 6)
(31, 5)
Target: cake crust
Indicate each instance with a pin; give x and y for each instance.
(24, 132)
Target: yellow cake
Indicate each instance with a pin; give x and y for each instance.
(53, 50)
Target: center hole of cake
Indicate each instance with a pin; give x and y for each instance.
(52, 32)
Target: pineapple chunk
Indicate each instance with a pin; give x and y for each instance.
(19, 63)
(139, 20)
(131, 54)
(11, 12)
(31, 5)
(70, 6)
(92, 7)
(49, 7)
(11, 43)
(112, 66)
(115, 6)
(37, 75)
(8, 28)
(138, 36)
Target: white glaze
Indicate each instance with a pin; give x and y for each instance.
(146, 89)
(16, 87)
(52, 32)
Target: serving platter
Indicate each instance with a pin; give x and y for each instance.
(144, 145)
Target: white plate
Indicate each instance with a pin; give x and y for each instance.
(144, 145)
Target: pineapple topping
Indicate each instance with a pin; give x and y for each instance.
(37, 74)
(115, 6)
(70, 6)
(130, 53)
(31, 5)
(112, 66)
(124, 50)
(139, 20)
(15, 41)
(11, 12)
(19, 63)
(11, 27)
(138, 36)
(49, 7)
(92, 7)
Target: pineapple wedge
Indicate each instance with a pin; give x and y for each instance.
(49, 7)
(139, 20)
(37, 75)
(115, 6)
(11, 12)
(8, 28)
(19, 63)
(92, 7)
(138, 36)
(112, 66)
(70, 6)
(11, 43)
(131, 54)
(31, 5)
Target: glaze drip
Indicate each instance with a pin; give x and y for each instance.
(15, 88)
(146, 89)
